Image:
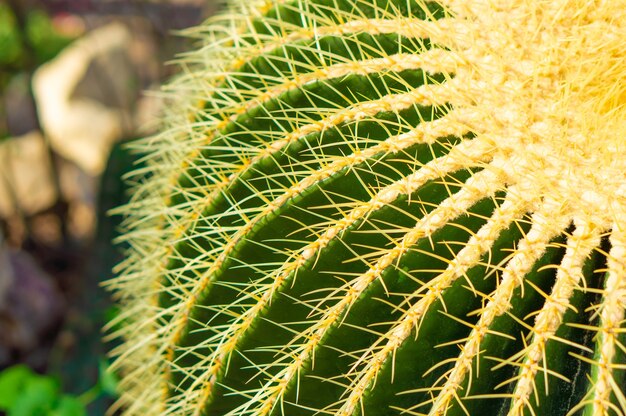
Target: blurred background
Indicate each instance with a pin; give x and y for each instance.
(78, 80)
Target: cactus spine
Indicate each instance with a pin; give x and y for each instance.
(385, 207)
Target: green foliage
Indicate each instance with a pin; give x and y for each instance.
(25, 393)
(45, 39)
(28, 394)
(10, 47)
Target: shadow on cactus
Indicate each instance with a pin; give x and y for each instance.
(381, 207)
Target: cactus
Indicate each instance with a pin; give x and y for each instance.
(384, 207)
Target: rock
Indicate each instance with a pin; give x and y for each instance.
(21, 116)
(26, 175)
(85, 94)
(31, 307)
(79, 190)
(6, 276)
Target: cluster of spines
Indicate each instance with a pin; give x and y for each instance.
(322, 196)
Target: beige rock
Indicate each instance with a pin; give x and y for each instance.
(84, 96)
(25, 175)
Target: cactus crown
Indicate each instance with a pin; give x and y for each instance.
(385, 207)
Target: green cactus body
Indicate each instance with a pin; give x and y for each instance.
(384, 207)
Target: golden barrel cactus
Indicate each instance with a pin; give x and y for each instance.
(384, 207)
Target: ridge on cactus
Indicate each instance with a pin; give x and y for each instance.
(384, 207)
